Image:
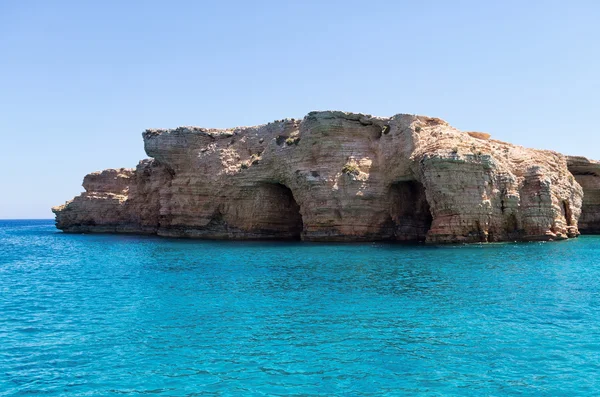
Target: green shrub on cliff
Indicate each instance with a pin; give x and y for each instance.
(293, 140)
(351, 169)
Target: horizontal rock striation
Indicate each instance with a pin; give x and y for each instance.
(337, 176)
(587, 174)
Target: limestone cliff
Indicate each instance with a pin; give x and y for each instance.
(587, 174)
(333, 176)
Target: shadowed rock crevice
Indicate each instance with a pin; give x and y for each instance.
(409, 211)
(567, 213)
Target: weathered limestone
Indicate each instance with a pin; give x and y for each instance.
(587, 174)
(334, 176)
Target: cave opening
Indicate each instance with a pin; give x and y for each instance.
(280, 216)
(409, 211)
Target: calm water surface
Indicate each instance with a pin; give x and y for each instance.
(99, 315)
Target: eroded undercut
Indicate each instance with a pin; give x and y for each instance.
(280, 217)
(409, 211)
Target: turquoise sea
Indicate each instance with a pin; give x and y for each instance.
(102, 315)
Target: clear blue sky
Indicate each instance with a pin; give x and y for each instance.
(80, 80)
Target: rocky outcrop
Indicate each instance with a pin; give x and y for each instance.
(333, 176)
(587, 174)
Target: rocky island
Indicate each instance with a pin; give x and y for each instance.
(338, 176)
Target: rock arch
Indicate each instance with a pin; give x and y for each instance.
(278, 212)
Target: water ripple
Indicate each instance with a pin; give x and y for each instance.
(97, 315)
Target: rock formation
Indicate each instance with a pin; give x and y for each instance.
(337, 176)
(587, 174)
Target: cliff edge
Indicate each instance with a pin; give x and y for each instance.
(338, 176)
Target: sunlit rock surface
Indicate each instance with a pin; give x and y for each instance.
(338, 176)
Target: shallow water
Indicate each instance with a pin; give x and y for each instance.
(97, 315)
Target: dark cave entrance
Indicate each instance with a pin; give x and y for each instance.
(409, 211)
(280, 213)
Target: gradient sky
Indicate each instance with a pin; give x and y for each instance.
(80, 80)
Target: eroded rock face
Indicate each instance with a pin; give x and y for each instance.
(587, 174)
(333, 176)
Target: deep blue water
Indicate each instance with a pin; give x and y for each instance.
(98, 315)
